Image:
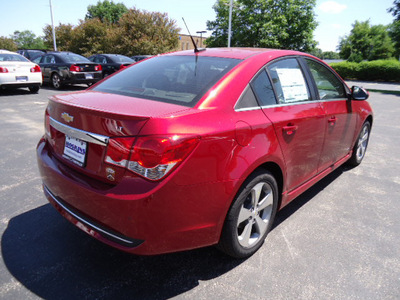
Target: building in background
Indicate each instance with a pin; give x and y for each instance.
(185, 42)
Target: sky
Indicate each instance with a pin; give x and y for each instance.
(335, 18)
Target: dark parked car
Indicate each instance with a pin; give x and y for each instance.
(31, 54)
(111, 62)
(59, 68)
(137, 58)
(186, 149)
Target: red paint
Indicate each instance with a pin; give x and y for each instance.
(186, 209)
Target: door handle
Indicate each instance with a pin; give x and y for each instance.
(290, 129)
(332, 120)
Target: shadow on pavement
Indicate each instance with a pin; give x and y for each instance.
(25, 91)
(55, 260)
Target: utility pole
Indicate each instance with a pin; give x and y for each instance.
(52, 26)
(201, 37)
(230, 24)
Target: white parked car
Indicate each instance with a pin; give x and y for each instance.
(17, 71)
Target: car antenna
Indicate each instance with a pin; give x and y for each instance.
(196, 50)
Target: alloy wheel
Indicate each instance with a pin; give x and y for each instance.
(255, 214)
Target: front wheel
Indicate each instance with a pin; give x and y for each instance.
(251, 216)
(360, 147)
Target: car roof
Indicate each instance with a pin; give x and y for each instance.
(237, 53)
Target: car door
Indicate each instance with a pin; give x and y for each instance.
(297, 117)
(340, 120)
(47, 63)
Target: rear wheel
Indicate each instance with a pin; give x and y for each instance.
(56, 81)
(251, 216)
(360, 147)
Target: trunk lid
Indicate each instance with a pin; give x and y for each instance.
(18, 67)
(84, 122)
(87, 67)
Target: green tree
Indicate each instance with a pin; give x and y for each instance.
(89, 37)
(394, 28)
(395, 10)
(8, 44)
(63, 36)
(394, 32)
(106, 11)
(366, 42)
(382, 46)
(330, 55)
(27, 40)
(285, 24)
(137, 32)
(142, 32)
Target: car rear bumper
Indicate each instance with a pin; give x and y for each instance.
(157, 218)
(83, 77)
(10, 80)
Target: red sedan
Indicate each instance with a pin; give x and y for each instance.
(191, 149)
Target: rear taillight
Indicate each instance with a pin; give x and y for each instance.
(3, 70)
(75, 68)
(122, 67)
(151, 157)
(98, 68)
(35, 69)
(118, 151)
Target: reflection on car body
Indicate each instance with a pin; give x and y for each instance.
(16, 71)
(111, 63)
(60, 68)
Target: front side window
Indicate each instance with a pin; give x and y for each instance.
(329, 86)
(289, 82)
(49, 59)
(181, 80)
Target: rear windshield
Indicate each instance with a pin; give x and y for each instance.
(12, 57)
(181, 80)
(73, 58)
(121, 59)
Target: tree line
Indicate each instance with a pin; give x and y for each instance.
(110, 27)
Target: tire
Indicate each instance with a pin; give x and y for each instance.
(56, 81)
(360, 147)
(251, 216)
(34, 89)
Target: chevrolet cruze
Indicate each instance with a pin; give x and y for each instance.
(191, 149)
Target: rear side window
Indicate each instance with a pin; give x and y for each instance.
(181, 80)
(263, 89)
(329, 86)
(73, 58)
(247, 100)
(289, 82)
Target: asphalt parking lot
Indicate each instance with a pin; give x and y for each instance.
(339, 240)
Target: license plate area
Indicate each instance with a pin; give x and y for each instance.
(75, 150)
(89, 76)
(21, 78)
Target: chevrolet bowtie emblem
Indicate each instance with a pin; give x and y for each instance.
(67, 118)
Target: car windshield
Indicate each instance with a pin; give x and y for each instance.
(12, 57)
(73, 58)
(181, 80)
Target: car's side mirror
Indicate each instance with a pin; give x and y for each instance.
(359, 93)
